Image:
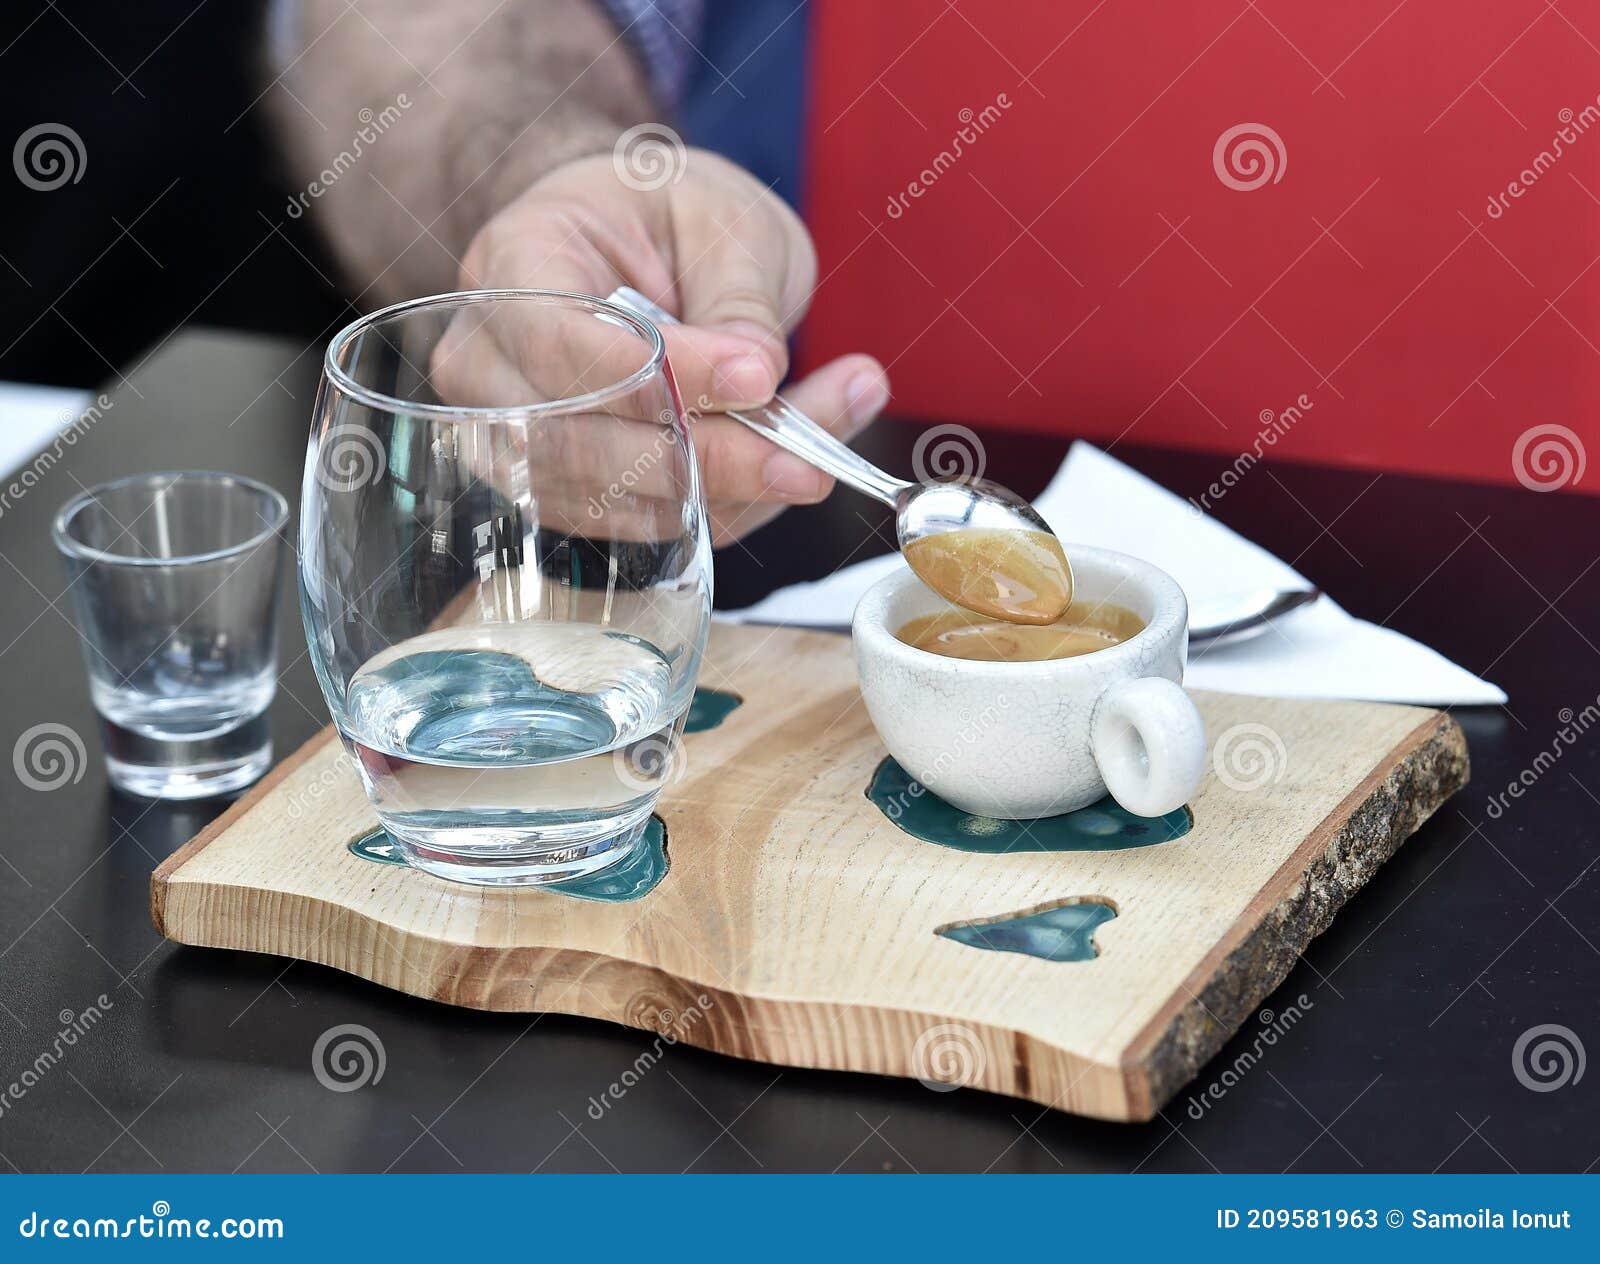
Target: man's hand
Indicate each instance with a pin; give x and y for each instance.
(730, 260)
(499, 172)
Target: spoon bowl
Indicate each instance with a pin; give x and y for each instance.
(1241, 616)
(985, 548)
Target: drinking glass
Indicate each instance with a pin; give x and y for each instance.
(175, 580)
(505, 574)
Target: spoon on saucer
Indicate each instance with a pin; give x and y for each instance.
(1242, 615)
(974, 542)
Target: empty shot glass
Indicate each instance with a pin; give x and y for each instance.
(174, 578)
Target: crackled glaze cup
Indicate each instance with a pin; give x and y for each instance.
(1024, 740)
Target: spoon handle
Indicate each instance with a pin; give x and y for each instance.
(788, 427)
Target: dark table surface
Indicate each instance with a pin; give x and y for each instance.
(1479, 930)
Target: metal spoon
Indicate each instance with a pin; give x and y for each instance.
(1240, 616)
(920, 509)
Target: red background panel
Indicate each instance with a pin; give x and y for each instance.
(1081, 267)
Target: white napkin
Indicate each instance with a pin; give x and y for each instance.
(1318, 651)
(31, 416)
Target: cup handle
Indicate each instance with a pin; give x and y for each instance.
(1149, 743)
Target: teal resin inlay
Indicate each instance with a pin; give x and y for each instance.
(377, 846)
(710, 708)
(630, 879)
(1102, 826)
(1063, 933)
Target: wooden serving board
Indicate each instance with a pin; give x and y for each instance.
(797, 923)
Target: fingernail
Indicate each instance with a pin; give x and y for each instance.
(865, 397)
(787, 477)
(743, 379)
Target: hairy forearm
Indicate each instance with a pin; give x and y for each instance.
(432, 117)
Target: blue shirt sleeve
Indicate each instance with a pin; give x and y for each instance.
(664, 34)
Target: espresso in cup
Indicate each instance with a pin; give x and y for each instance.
(1084, 628)
(1022, 739)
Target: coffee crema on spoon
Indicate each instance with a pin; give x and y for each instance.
(1018, 576)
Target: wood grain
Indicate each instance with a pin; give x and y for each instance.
(797, 923)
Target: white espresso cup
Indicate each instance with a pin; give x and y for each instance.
(1024, 740)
